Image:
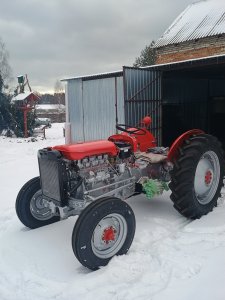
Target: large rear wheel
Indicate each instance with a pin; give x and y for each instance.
(104, 229)
(197, 176)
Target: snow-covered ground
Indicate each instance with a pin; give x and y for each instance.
(170, 258)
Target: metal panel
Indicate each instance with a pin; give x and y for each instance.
(120, 100)
(217, 87)
(142, 94)
(75, 109)
(99, 105)
(94, 107)
(185, 106)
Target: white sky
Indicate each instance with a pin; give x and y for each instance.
(54, 39)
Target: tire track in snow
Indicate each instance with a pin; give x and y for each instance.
(154, 263)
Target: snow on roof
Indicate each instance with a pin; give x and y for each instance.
(98, 75)
(198, 20)
(23, 96)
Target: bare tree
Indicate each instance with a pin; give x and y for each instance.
(58, 86)
(58, 91)
(59, 96)
(5, 69)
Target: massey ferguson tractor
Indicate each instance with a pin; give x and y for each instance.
(92, 180)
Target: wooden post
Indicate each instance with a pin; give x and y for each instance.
(25, 123)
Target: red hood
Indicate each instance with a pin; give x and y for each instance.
(81, 150)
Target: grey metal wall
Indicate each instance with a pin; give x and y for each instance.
(92, 107)
(75, 109)
(142, 94)
(189, 96)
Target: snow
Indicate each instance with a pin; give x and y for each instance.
(23, 96)
(198, 20)
(93, 75)
(171, 257)
(50, 107)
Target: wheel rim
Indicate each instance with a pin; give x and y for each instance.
(109, 236)
(37, 208)
(207, 177)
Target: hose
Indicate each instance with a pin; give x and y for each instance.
(77, 185)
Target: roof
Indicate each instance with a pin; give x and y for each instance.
(200, 19)
(23, 96)
(96, 76)
(203, 61)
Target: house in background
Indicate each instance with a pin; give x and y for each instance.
(199, 31)
(25, 99)
(54, 112)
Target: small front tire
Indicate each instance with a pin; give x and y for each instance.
(29, 206)
(104, 229)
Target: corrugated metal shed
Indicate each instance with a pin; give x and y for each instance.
(200, 19)
(95, 104)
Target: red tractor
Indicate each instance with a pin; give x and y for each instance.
(91, 179)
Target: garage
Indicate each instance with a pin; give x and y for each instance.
(179, 96)
(193, 97)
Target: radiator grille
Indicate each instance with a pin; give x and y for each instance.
(53, 175)
(50, 182)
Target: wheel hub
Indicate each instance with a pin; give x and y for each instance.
(208, 177)
(109, 234)
(38, 207)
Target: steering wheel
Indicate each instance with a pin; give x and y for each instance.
(124, 128)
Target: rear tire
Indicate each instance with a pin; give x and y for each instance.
(104, 229)
(29, 206)
(197, 176)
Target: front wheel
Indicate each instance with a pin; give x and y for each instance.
(197, 176)
(30, 208)
(104, 229)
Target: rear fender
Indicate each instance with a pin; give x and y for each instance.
(173, 153)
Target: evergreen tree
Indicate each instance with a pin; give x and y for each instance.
(11, 116)
(147, 56)
(6, 120)
(5, 116)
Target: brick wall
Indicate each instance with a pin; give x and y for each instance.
(208, 46)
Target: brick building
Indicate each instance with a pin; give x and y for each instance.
(199, 31)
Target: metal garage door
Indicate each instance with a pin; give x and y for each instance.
(143, 96)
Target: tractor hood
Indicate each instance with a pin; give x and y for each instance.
(81, 150)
